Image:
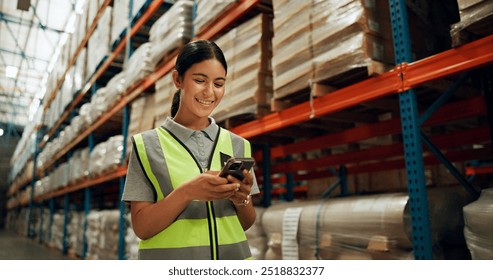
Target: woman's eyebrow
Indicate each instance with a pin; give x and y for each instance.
(205, 76)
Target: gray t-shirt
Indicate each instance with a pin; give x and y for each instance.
(199, 142)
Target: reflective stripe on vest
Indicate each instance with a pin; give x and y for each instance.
(204, 230)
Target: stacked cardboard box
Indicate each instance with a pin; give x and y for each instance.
(248, 52)
(209, 11)
(315, 41)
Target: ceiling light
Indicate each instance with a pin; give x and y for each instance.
(11, 72)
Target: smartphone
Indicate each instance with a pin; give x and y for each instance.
(235, 166)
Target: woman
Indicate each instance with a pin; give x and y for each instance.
(180, 207)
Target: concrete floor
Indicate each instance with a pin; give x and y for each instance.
(16, 247)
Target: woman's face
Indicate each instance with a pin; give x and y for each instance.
(202, 88)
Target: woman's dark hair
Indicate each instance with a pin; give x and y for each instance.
(191, 53)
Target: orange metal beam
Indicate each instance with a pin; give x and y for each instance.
(447, 63)
(459, 110)
(445, 141)
(429, 160)
(479, 170)
(399, 79)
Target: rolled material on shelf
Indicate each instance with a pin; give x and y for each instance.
(360, 227)
(478, 229)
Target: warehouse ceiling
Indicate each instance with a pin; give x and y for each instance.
(30, 33)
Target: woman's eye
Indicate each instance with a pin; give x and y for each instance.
(199, 81)
(218, 85)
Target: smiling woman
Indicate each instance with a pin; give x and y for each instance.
(180, 207)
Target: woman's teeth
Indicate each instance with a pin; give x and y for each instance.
(205, 102)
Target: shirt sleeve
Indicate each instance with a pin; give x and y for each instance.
(137, 186)
(254, 189)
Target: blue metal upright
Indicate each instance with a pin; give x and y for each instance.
(418, 199)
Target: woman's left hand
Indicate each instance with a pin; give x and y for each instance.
(241, 196)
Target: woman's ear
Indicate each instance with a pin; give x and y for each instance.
(176, 79)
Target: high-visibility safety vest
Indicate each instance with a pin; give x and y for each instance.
(204, 230)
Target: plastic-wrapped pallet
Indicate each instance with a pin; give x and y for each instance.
(79, 165)
(108, 240)
(99, 43)
(136, 112)
(318, 40)
(208, 11)
(131, 240)
(56, 240)
(102, 234)
(139, 65)
(171, 30)
(96, 159)
(248, 51)
(99, 104)
(75, 233)
(120, 18)
(115, 88)
(478, 230)
(114, 148)
(80, 70)
(165, 89)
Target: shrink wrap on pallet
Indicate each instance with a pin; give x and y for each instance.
(478, 229)
(248, 51)
(171, 30)
(318, 40)
(139, 65)
(209, 11)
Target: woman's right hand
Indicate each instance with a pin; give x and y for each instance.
(209, 186)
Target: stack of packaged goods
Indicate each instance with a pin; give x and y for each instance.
(99, 45)
(318, 40)
(106, 155)
(248, 51)
(75, 233)
(102, 234)
(139, 65)
(79, 165)
(131, 240)
(209, 11)
(171, 30)
(165, 89)
(57, 227)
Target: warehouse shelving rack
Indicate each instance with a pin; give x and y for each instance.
(405, 76)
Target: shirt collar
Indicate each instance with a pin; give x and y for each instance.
(184, 133)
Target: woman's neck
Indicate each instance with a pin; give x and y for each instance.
(195, 124)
